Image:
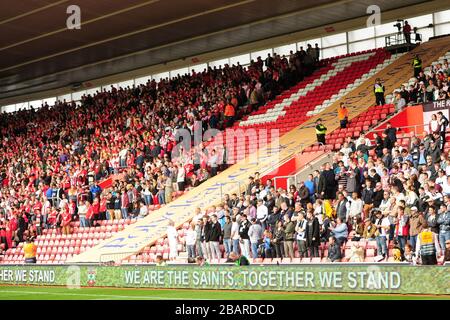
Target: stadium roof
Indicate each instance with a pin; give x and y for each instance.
(38, 52)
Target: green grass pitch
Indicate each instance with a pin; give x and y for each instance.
(59, 293)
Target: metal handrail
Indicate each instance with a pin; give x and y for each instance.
(301, 170)
(115, 256)
(230, 182)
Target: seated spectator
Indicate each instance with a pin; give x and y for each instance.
(339, 231)
(334, 250)
(356, 252)
(357, 229)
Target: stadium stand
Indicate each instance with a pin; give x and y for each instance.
(341, 79)
(396, 80)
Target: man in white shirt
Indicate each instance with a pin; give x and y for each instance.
(172, 236)
(191, 237)
(261, 213)
(383, 225)
(143, 210)
(181, 174)
(445, 185)
(123, 157)
(356, 206)
(360, 139)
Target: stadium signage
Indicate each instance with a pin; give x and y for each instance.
(436, 105)
(323, 278)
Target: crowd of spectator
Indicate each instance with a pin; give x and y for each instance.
(53, 157)
(425, 86)
(373, 190)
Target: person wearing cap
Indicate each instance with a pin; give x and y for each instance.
(416, 225)
(378, 89)
(427, 246)
(30, 250)
(369, 230)
(321, 131)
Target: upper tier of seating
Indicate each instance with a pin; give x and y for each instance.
(330, 83)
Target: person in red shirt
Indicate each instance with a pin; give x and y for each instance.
(3, 240)
(95, 212)
(407, 32)
(102, 208)
(89, 214)
(52, 218)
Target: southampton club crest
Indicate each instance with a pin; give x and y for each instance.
(92, 273)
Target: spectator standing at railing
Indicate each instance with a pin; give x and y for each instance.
(407, 32)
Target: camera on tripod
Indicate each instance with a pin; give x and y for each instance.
(399, 25)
